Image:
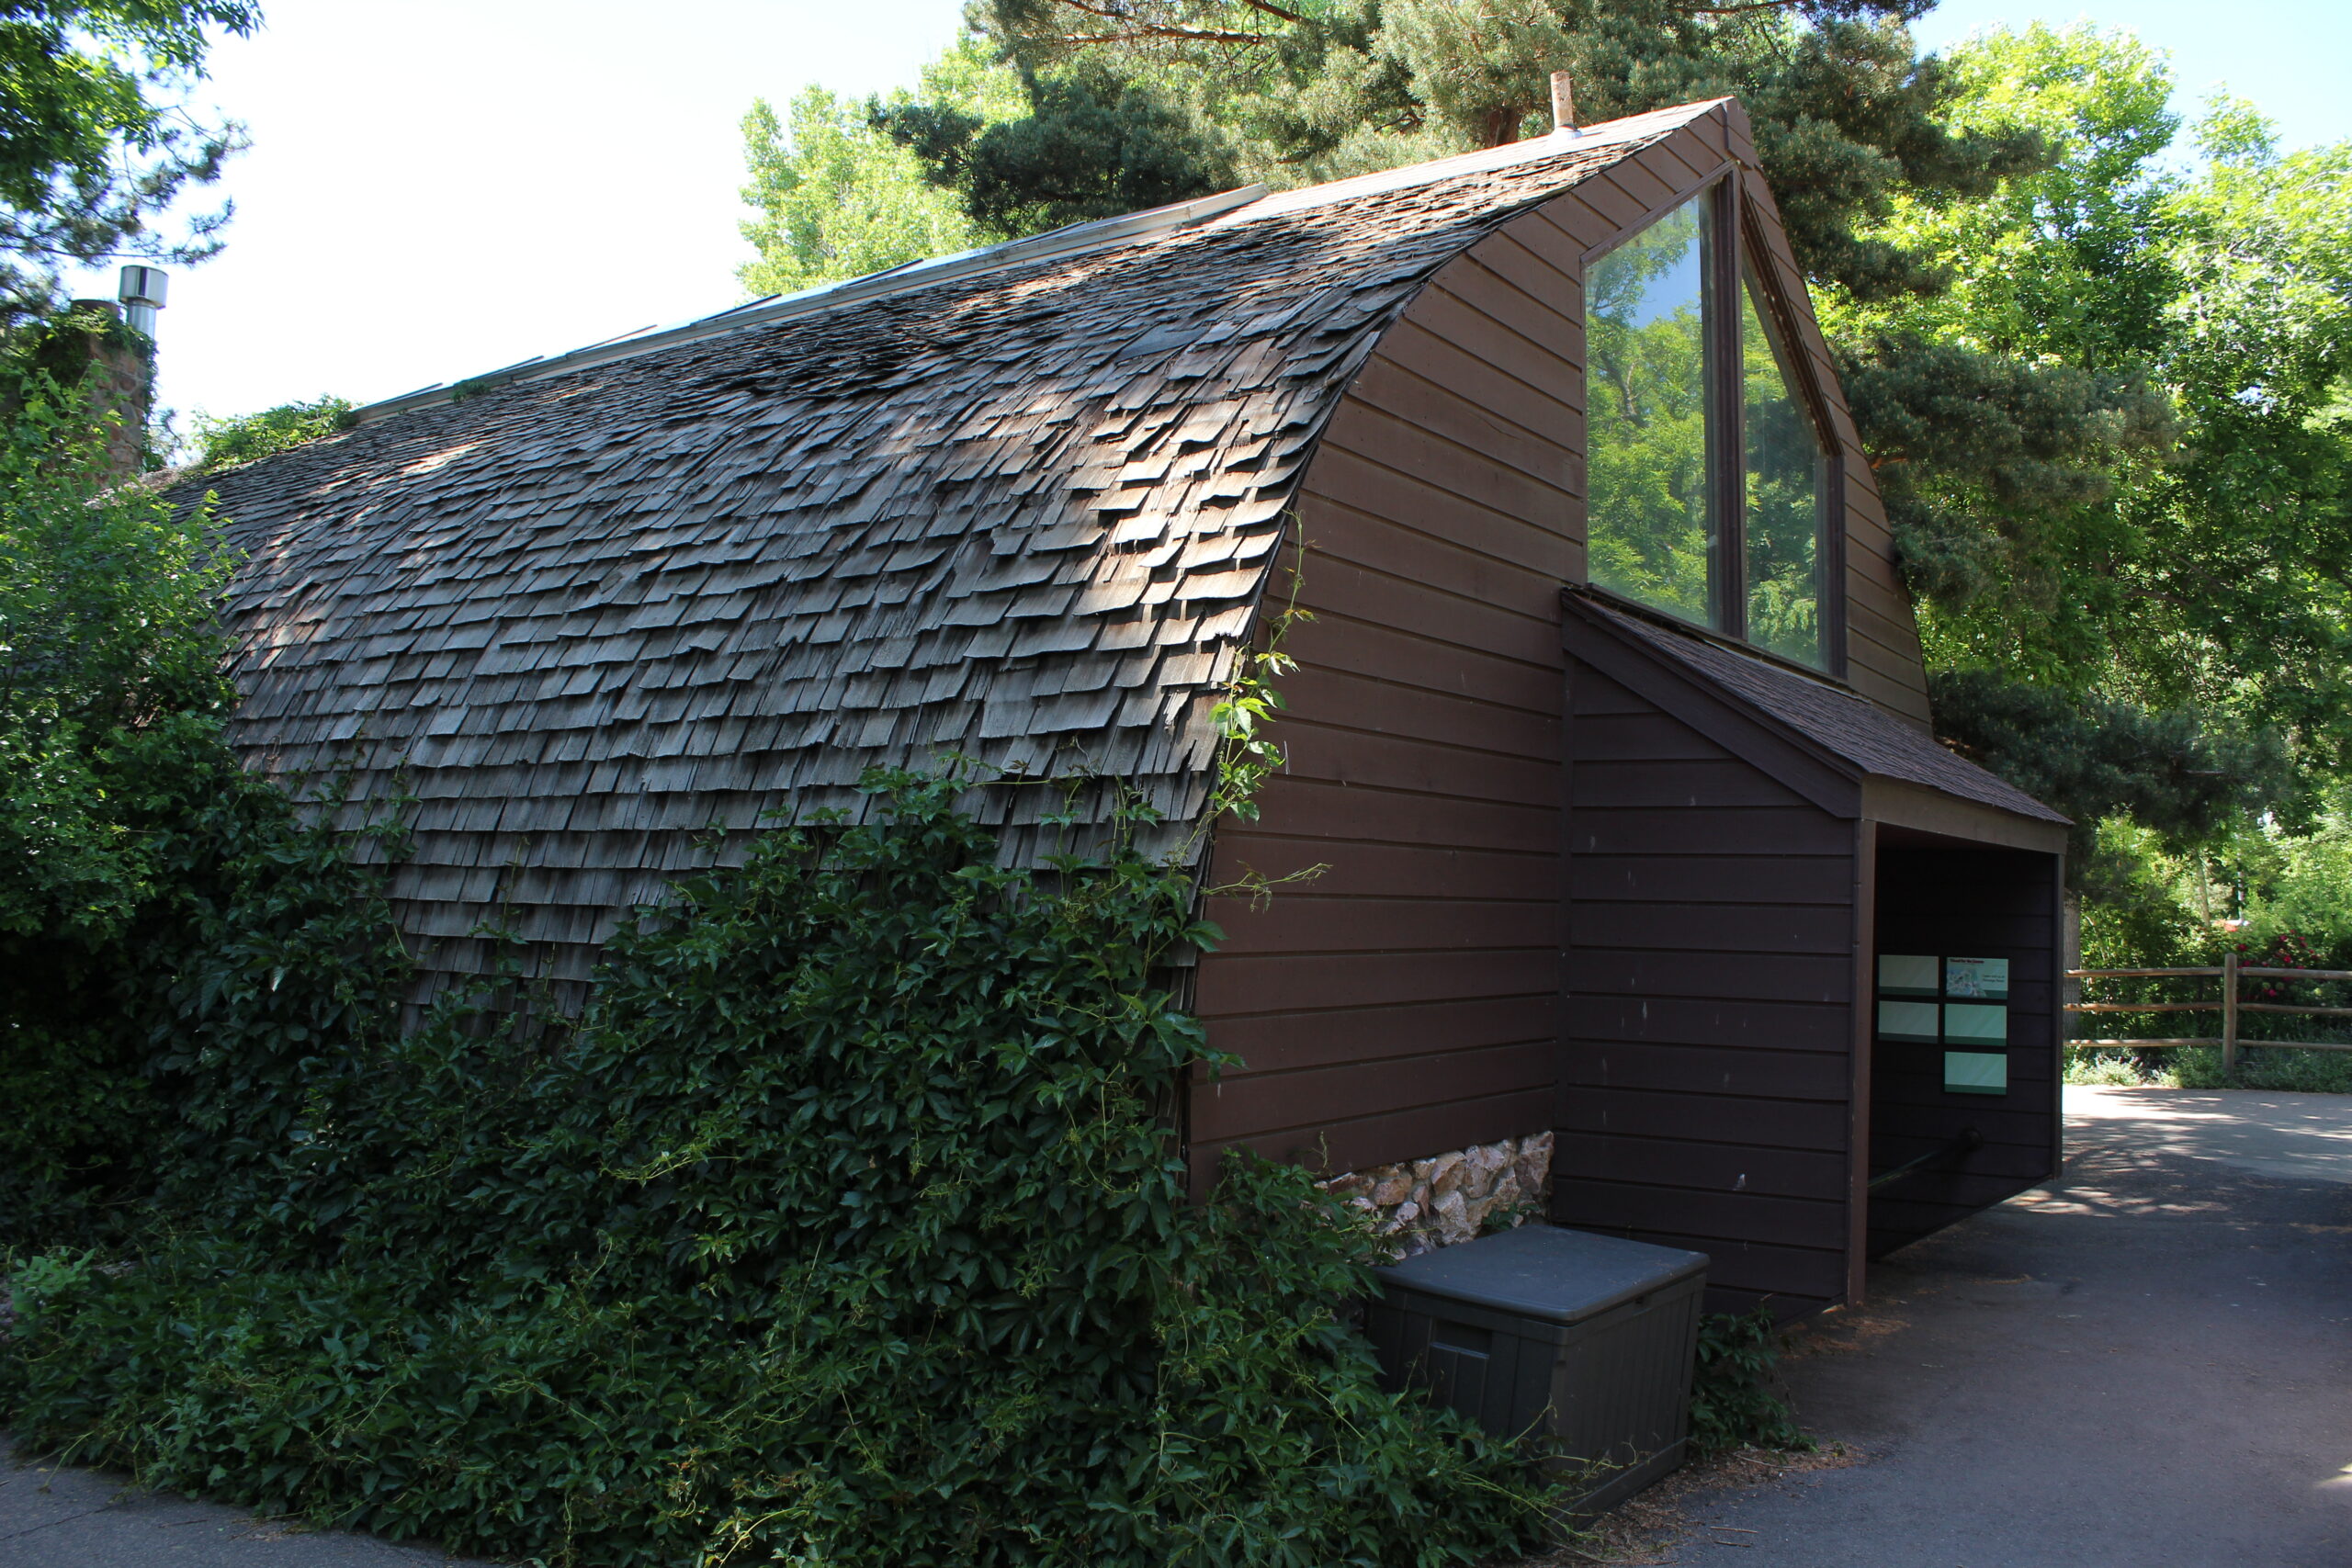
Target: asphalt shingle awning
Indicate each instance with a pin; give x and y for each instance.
(1846, 727)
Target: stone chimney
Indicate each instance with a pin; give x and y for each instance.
(91, 348)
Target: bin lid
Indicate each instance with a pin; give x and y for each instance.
(1544, 1271)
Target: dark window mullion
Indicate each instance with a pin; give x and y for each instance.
(1726, 447)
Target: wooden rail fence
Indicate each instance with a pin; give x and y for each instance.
(2232, 974)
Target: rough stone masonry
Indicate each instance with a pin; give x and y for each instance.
(1420, 1205)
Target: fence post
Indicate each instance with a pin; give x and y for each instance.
(2230, 1016)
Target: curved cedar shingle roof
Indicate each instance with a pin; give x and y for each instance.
(1026, 516)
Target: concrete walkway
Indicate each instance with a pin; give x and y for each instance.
(2147, 1362)
(83, 1518)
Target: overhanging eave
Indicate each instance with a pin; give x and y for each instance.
(1835, 747)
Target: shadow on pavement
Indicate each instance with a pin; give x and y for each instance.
(2146, 1362)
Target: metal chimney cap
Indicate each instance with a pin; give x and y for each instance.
(145, 286)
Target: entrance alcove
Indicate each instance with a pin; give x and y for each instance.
(1745, 843)
(1964, 1065)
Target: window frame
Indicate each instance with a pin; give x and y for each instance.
(1738, 229)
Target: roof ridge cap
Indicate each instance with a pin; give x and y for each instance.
(1485, 160)
(1247, 204)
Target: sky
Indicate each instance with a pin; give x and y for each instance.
(441, 187)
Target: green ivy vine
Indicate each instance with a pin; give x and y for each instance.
(843, 1228)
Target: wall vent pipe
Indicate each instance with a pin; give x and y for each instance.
(142, 294)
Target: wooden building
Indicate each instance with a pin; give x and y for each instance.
(1611, 726)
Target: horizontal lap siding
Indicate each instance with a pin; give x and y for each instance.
(1409, 999)
(1882, 656)
(1987, 903)
(1707, 1061)
(1405, 1000)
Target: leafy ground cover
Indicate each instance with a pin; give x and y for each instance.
(843, 1228)
(1735, 1397)
(2200, 1066)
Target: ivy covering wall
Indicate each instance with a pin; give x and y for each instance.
(843, 1227)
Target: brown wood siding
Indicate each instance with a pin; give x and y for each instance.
(1675, 997)
(1992, 903)
(1406, 1001)
(1705, 1067)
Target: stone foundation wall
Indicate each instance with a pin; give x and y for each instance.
(1423, 1205)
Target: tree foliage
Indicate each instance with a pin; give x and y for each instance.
(2184, 776)
(1093, 145)
(96, 140)
(2190, 547)
(244, 438)
(2151, 525)
(1845, 113)
(154, 897)
(107, 654)
(2256, 589)
(1735, 1397)
(835, 196)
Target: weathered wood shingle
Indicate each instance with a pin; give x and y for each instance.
(1026, 517)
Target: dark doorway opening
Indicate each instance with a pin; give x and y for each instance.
(1964, 1070)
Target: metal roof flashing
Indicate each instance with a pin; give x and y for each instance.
(1248, 204)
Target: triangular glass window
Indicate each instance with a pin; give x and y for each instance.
(1787, 483)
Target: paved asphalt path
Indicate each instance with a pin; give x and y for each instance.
(83, 1518)
(2147, 1362)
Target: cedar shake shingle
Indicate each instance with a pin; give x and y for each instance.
(1027, 516)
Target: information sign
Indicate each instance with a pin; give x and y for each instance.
(1984, 977)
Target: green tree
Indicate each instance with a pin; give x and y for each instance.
(156, 899)
(2163, 518)
(107, 654)
(1094, 144)
(835, 197)
(1846, 114)
(2246, 566)
(96, 139)
(2002, 483)
(242, 438)
(2187, 778)
(1149, 101)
